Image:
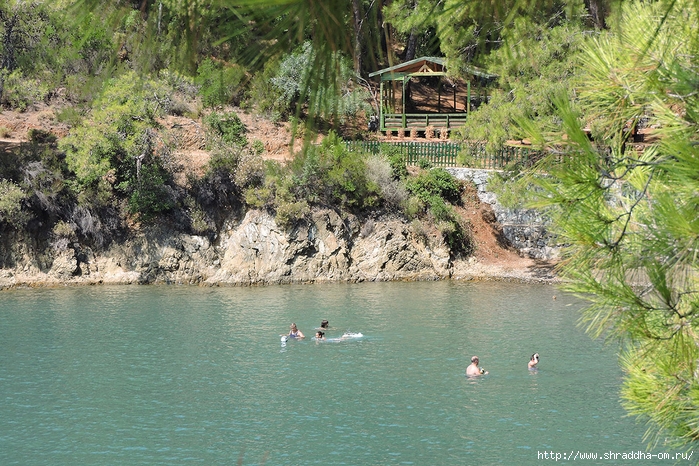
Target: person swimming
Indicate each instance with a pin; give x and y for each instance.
(533, 361)
(294, 332)
(324, 325)
(320, 336)
(473, 370)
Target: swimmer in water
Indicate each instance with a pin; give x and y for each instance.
(320, 336)
(294, 332)
(533, 361)
(473, 370)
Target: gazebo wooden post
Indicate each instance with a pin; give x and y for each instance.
(454, 89)
(403, 124)
(382, 123)
(468, 97)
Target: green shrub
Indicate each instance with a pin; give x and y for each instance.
(5, 131)
(70, 116)
(199, 221)
(116, 130)
(258, 147)
(457, 236)
(262, 94)
(396, 157)
(258, 197)
(413, 207)
(329, 174)
(19, 91)
(250, 170)
(147, 190)
(288, 213)
(437, 182)
(227, 127)
(274, 187)
(380, 172)
(436, 189)
(219, 83)
(118, 147)
(439, 209)
(63, 230)
(12, 198)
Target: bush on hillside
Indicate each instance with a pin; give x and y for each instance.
(329, 174)
(219, 83)
(20, 92)
(227, 128)
(12, 198)
(117, 148)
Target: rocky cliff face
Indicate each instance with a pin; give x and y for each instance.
(249, 250)
(253, 249)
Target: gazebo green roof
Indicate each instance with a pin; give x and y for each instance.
(425, 66)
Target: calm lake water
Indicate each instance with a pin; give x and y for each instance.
(184, 375)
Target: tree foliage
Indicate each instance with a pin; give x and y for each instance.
(629, 212)
(117, 143)
(535, 65)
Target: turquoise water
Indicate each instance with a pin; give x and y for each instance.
(184, 375)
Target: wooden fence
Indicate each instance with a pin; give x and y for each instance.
(451, 154)
(420, 121)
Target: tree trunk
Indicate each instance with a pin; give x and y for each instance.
(411, 46)
(598, 12)
(8, 61)
(357, 12)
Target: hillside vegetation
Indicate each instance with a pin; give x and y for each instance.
(577, 79)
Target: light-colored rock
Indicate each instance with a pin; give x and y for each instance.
(253, 249)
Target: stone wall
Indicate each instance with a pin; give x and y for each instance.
(526, 229)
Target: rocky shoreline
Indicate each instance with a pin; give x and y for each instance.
(253, 250)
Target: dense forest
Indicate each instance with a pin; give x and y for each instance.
(578, 79)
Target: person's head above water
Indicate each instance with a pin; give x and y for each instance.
(324, 324)
(473, 369)
(533, 361)
(320, 335)
(295, 332)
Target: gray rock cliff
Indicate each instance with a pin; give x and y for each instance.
(249, 250)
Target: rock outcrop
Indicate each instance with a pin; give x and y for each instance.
(249, 250)
(252, 249)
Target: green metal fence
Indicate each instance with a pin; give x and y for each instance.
(451, 154)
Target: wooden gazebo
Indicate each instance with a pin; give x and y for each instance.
(401, 110)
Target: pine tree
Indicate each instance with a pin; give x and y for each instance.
(629, 212)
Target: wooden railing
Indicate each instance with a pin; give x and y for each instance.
(452, 154)
(419, 121)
